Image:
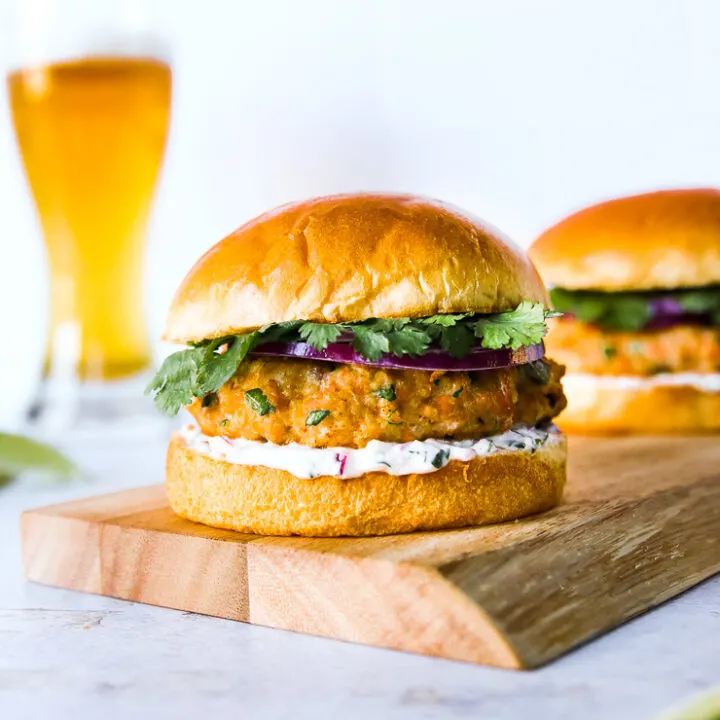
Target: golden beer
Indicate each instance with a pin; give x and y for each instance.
(92, 135)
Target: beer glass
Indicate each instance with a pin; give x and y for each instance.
(89, 89)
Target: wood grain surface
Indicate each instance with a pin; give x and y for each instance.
(640, 523)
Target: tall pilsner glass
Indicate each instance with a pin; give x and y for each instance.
(89, 90)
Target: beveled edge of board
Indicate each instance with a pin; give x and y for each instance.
(401, 606)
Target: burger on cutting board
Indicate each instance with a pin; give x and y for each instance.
(362, 365)
(638, 281)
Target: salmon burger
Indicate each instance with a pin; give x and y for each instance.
(638, 281)
(362, 365)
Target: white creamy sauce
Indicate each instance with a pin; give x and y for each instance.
(708, 382)
(424, 456)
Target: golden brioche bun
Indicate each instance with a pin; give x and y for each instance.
(348, 258)
(265, 501)
(665, 239)
(598, 404)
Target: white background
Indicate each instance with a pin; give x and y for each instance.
(519, 110)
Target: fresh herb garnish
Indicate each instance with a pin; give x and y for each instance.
(175, 383)
(257, 401)
(523, 326)
(620, 311)
(386, 392)
(632, 311)
(319, 335)
(219, 367)
(198, 371)
(315, 417)
(458, 392)
(224, 421)
(369, 342)
(457, 340)
(408, 339)
(206, 366)
(394, 422)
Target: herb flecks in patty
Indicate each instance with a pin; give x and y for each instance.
(257, 401)
(386, 392)
(315, 417)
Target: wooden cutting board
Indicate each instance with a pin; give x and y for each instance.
(640, 523)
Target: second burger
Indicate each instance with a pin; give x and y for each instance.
(638, 279)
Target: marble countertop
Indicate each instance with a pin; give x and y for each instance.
(69, 655)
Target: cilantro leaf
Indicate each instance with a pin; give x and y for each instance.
(280, 331)
(319, 335)
(403, 335)
(409, 340)
(435, 325)
(387, 325)
(315, 417)
(174, 383)
(444, 320)
(197, 372)
(457, 340)
(629, 313)
(257, 401)
(217, 368)
(515, 328)
(370, 343)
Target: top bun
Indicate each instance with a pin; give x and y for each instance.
(346, 258)
(660, 240)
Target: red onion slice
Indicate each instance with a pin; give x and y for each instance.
(667, 306)
(666, 312)
(433, 359)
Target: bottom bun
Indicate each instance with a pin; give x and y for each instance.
(604, 405)
(255, 499)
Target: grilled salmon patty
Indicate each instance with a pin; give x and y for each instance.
(322, 404)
